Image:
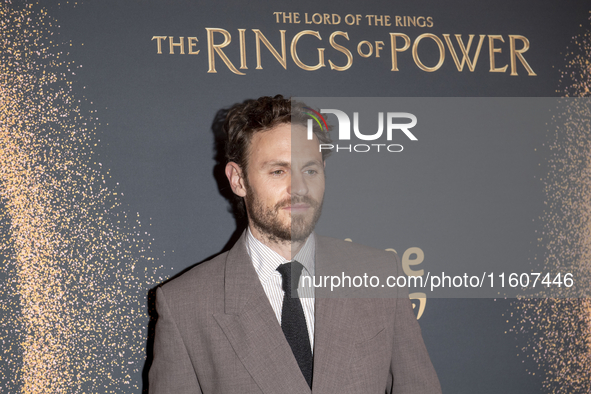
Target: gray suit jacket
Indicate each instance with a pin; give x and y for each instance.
(217, 333)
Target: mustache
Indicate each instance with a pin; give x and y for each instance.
(296, 200)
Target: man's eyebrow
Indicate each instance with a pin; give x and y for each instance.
(312, 163)
(279, 163)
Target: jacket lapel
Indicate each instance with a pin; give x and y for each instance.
(251, 327)
(334, 335)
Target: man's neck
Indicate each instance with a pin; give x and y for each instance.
(286, 249)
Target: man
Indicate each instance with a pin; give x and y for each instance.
(230, 324)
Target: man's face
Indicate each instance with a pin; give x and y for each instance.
(284, 183)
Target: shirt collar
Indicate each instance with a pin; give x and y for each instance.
(265, 260)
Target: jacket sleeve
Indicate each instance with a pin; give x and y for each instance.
(171, 371)
(411, 368)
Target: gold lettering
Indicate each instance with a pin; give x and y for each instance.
(398, 20)
(342, 49)
(387, 20)
(288, 17)
(368, 45)
(212, 49)
(159, 43)
(395, 50)
(515, 53)
(492, 50)
(429, 21)
(415, 52)
(173, 44)
(422, 298)
(241, 35)
(465, 51)
(407, 262)
(282, 59)
(379, 47)
(192, 44)
(294, 54)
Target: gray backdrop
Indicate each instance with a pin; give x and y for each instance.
(111, 178)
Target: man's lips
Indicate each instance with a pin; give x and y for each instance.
(300, 207)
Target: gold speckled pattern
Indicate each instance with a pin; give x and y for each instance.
(559, 330)
(75, 267)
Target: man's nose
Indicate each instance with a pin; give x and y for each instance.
(297, 184)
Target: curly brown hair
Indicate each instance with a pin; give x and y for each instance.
(264, 113)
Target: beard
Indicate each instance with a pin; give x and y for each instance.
(266, 218)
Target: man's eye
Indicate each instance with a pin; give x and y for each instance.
(277, 172)
(311, 172)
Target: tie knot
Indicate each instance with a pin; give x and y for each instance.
(290, 272)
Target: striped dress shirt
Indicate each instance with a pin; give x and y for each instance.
(266, 261)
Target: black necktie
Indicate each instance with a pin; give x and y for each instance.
(293, 321)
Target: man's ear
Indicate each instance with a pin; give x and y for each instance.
(236, 179)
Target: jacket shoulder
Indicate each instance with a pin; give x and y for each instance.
(198, 278)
